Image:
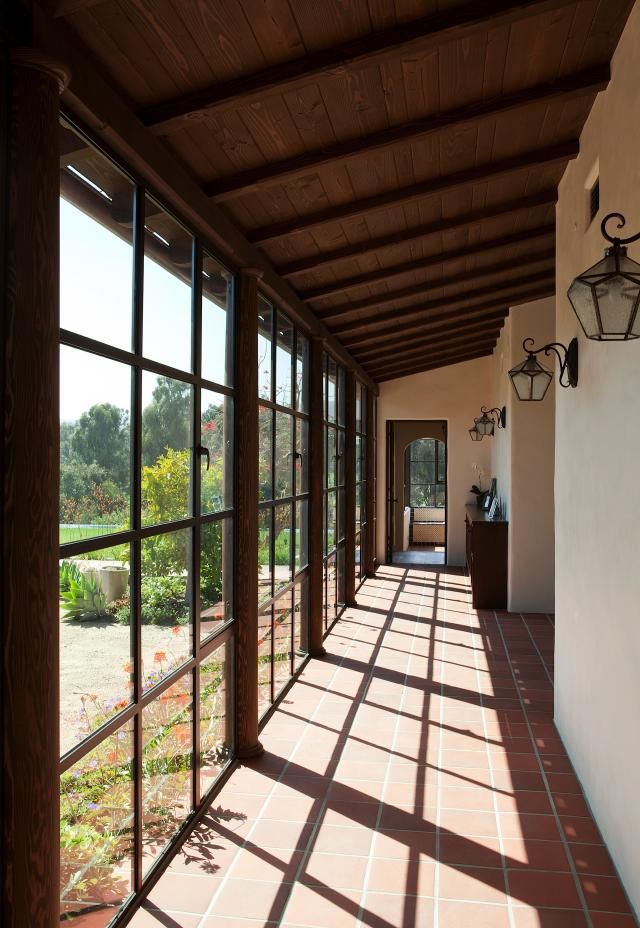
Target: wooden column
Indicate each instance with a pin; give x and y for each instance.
(30, 471)
(350, 490)
(316, 501)
(246, 536)
(370, 540)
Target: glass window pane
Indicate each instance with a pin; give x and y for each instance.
(331, 457)
(265, 322)
(283, 552)
(358, 407)
(264, 660)
(340, 457)
(216, 734)
(301, 619)
(282, 641)
(216, 487)
(284, 360)
(265, 456)
(96, 245)
(302, 373)
(302, 456)
(302, 534)
(358, 458)
(331, 389)
(340, 514)
(166, 449)
(341, 577)
(217, 322)
(166, 592)
(167, 763)
(284, 455)
(331, 520)
(341, 396)
(332, 575)
(216, 575)
(96, 672)
(167, 312)
(95, 445)
(96, 831)
(265, 565)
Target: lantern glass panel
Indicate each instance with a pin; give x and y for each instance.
(605, 298)
(530, 380)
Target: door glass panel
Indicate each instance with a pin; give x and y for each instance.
(216, 732)
(166, 449)
(217, 322)
(216, 435)
(216, 576)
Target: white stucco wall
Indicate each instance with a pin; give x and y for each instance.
(455, 394)
(597, 488)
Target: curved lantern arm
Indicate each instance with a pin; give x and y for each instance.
(615, 240)
(498, 416)
(567, 356)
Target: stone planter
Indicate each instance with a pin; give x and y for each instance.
(114, 581)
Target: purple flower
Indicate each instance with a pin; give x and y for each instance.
(93, 806)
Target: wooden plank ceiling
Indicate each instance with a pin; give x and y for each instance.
(396, 160)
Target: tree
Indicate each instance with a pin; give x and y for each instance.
(102, 438)
(166, 421)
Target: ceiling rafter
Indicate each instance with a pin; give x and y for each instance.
(499, 292)
(535, 158)
(425, 33)
(405, 237)
(389, 273)
(459, 342)
(60, 8)
(567, 87)
(435, 364)
(381, 337)
(384, 299)
(492, 320)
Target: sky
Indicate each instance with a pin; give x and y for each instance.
(96, 270)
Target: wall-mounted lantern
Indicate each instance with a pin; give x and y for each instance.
(605, 298)
(531, 380)
(491, 418)
(475, 434)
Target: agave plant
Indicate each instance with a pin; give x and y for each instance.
(84, 599)
(69, 573)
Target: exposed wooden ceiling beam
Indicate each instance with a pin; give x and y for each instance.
(459, 343)
(345, 310)
(389, 273)
(406, 236)
(59, 8)
(494, 320)
(381, 337)
(432, 364)
(425, 33)
(568, 87)
(499, 292)
(538, 157)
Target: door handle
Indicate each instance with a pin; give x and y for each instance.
(204, 452)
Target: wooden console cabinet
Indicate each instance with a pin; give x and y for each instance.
(487, 552)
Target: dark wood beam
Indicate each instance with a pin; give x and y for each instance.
(461, 327)
(538, 157)
(441, 257)
(587, 82)
(60, 8)
(459, 342)
(445, 362)
(406, 236)
(347, 309)
(428, 32)
(382, 337)
(499, 292)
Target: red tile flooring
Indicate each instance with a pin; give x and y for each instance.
(413, 777)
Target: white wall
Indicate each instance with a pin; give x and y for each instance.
(523, 463)
(598, 488)
(455, 394)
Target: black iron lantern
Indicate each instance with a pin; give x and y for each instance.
(475, 434)
(605, 298)
(491, 418)
(531, 380)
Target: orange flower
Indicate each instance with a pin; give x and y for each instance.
(111, 756)
(176, 629)
(160, 656)
(184, 737)
(128, 667)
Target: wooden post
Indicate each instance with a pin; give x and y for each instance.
(30, 472)
(350, 490)
(246, 535)
(316, 500)
(370, 468)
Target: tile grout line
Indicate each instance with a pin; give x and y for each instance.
(543, 773)
(533, 641)
(436, 888)
(242, 846)
(496, 810)
(386, 780)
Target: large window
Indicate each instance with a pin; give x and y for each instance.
(334, 489)
(426, 473)
(146, 529)
(283, 518)
(361, 480)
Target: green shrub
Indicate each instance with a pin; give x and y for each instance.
(84, 599)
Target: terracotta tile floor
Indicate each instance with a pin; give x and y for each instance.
(412, 778)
